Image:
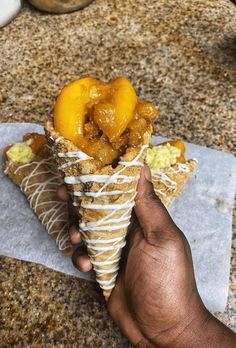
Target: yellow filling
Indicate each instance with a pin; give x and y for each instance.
(162, 156)
(21, 152)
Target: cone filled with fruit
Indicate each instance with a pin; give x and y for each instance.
(30, 166)
(99, 138)
(170, 170)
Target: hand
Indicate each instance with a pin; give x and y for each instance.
(155, 300)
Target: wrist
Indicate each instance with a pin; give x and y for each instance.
(193, 333)
(144, 344)
(190, 319)
(204, 330)
(190, 329)
(195, 328)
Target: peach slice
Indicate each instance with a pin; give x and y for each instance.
(114, 114)
(72, 106)
(111, 105)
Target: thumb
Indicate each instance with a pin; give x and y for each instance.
(152, 215)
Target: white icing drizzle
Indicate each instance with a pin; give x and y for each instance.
(105, 263)
(164, 178)
(106, 283)
(134, 162)
(58, 139)
(76, 204)
(126, 205)
(102, 241)
(106, 193)
(119, 179)
(109, 223)
(181, 167)
(170, 185)
(74, 154)
(55, 216)
(105, 248)
(105, 228)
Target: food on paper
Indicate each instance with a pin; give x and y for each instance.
(99, 137)
(29, 165)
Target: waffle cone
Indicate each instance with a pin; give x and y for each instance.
(104, 198)
(169, 182)
(39, 180)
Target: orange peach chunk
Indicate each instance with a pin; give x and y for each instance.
(112, 106)
(180, 145)
(72, 106)
(113, 115)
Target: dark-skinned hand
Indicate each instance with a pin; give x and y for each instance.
(155, 301)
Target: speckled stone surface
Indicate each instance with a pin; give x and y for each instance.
(43, 308)
(179, 54)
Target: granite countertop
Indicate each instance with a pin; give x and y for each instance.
(180, 55)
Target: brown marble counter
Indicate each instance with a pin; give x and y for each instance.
(179, 54)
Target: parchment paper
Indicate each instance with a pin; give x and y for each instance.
(203, 212)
